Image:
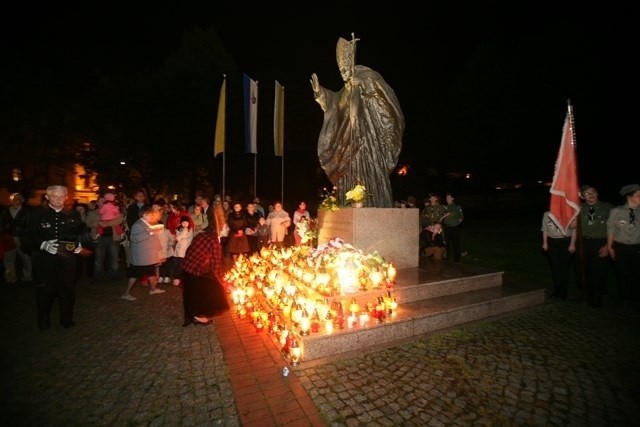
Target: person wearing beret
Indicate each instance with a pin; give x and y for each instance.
(593, 254)
(623, 242)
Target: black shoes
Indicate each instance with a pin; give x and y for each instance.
(199, 322)
(196, 322)
(558, 295)
(44, 324)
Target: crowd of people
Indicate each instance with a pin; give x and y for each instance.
(151, 242)
(158, 242)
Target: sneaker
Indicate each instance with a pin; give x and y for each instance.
(176, 282)
(156, 291)
(128, 297)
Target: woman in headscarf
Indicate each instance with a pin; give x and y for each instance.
(203, 293)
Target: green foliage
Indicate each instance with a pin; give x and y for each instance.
(329, 200)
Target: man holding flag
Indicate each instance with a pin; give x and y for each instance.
(565, 193)
(559, 222)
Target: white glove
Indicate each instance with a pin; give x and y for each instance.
(50, 246)
(78, 249)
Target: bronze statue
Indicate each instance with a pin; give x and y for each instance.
(361, 136)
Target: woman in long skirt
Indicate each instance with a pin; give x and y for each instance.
(203, 293)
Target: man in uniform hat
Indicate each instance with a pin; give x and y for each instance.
(623, 242)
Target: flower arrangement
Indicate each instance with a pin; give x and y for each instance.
(330, 200)
(311, 232)
(357, 194)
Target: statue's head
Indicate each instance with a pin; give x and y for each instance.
(346, 57)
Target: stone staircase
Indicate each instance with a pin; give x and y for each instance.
(432, 297)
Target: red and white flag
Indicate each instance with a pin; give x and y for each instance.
(565, 192)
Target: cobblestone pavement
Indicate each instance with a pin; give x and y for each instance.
(559, 364)
(125, 363)
(132, 363)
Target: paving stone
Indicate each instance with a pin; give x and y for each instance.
(557, 364)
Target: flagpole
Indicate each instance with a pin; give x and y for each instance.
(282, 178)
(282, 160)
(251, 124)
(583, 274)
(220, 132)
(224, 136)
(255, 158)
(278, 131)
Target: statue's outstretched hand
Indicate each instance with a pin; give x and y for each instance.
(315, 85)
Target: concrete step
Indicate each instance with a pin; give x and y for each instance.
(435, 297)
(436, 279)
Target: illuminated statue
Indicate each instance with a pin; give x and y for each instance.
(361, 136)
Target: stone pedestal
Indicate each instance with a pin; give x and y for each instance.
(393, 232)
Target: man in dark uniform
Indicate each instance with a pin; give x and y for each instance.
(593, 258)
(623, 243)
(53, 238)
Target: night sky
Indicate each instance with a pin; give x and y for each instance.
(483, 89)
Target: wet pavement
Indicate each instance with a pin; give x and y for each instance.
(131, 363)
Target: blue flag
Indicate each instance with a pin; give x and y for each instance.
(250, 115)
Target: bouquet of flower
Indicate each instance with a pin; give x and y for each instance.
(357, 194)
(311, 231)
(330, 200)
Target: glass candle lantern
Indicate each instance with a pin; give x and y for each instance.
(295, 352)
(328, 323)
(315, 321)
(391, 273)
(354, 307)
(305, 323)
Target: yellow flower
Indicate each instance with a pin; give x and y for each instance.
(356, 194)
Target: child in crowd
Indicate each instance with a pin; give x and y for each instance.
(301, 218)
(262, 231)
(168, 241)
(200, 220)
(108, 212)
(184, 236)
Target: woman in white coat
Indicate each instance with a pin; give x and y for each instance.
(278, 222)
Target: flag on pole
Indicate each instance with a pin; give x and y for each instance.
(278, 121)
(220, 121)
(565, 192)
(250, 115)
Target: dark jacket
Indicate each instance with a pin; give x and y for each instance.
(14, 226)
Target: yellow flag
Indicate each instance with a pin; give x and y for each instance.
(220, 125)
(278, 121)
